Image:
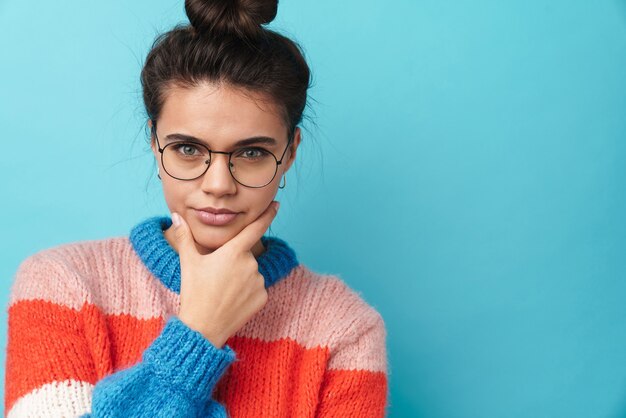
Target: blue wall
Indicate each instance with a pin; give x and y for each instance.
(466, 174)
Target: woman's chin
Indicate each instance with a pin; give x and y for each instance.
(210, 243)
(211, 238)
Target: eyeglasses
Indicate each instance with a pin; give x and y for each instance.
(250, 166)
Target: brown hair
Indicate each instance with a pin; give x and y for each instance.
(226, 42)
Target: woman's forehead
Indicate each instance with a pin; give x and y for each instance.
(220, 108)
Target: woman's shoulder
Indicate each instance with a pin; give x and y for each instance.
(65, 269)
(335, 292)
(78, 254)
(332, 308)
(322, 310)
(73, 251)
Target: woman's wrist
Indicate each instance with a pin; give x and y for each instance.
(214, 337)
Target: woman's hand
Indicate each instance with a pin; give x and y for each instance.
(221, 291)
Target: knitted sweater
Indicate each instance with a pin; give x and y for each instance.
(93, 332)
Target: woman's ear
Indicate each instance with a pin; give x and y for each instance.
(152, 140)
(293, 147)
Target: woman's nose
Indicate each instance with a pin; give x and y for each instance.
(217, 179)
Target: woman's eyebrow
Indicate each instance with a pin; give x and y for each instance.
(243, 142)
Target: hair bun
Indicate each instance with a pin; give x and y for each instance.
(241, 17)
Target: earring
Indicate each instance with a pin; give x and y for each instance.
(158, 173)
(285, 183)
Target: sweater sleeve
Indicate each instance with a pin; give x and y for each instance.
(175, 378)
(355, 381)
(51, 372)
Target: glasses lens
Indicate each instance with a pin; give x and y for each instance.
(252, 167)
(185, 160)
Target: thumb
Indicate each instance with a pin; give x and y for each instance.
(182, 234)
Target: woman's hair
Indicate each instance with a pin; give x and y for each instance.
(225, 42)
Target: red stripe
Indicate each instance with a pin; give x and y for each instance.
(353, 393)
(268, 379)
(41, 336)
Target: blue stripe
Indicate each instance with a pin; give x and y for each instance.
(163, 262)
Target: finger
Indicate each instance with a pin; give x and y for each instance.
(182, 235)
(251, 234)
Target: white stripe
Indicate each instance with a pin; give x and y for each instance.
(69, 398)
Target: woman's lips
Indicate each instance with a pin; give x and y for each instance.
(215, 219)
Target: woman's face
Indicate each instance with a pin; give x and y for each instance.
(220, 115)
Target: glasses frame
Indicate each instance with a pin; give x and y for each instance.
(208, 162)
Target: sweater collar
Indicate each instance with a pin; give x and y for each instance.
(148, 241)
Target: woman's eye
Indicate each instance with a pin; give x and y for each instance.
(252, 153)
(186, 149)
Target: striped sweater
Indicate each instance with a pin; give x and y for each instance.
(93, 332)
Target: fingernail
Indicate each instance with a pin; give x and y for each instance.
(276, 206)
(175, 219)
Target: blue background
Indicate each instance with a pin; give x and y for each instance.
(465, 173)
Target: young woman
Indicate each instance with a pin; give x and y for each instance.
(200, 314)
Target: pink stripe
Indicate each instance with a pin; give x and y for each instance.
(309, 308)
(106, 273)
